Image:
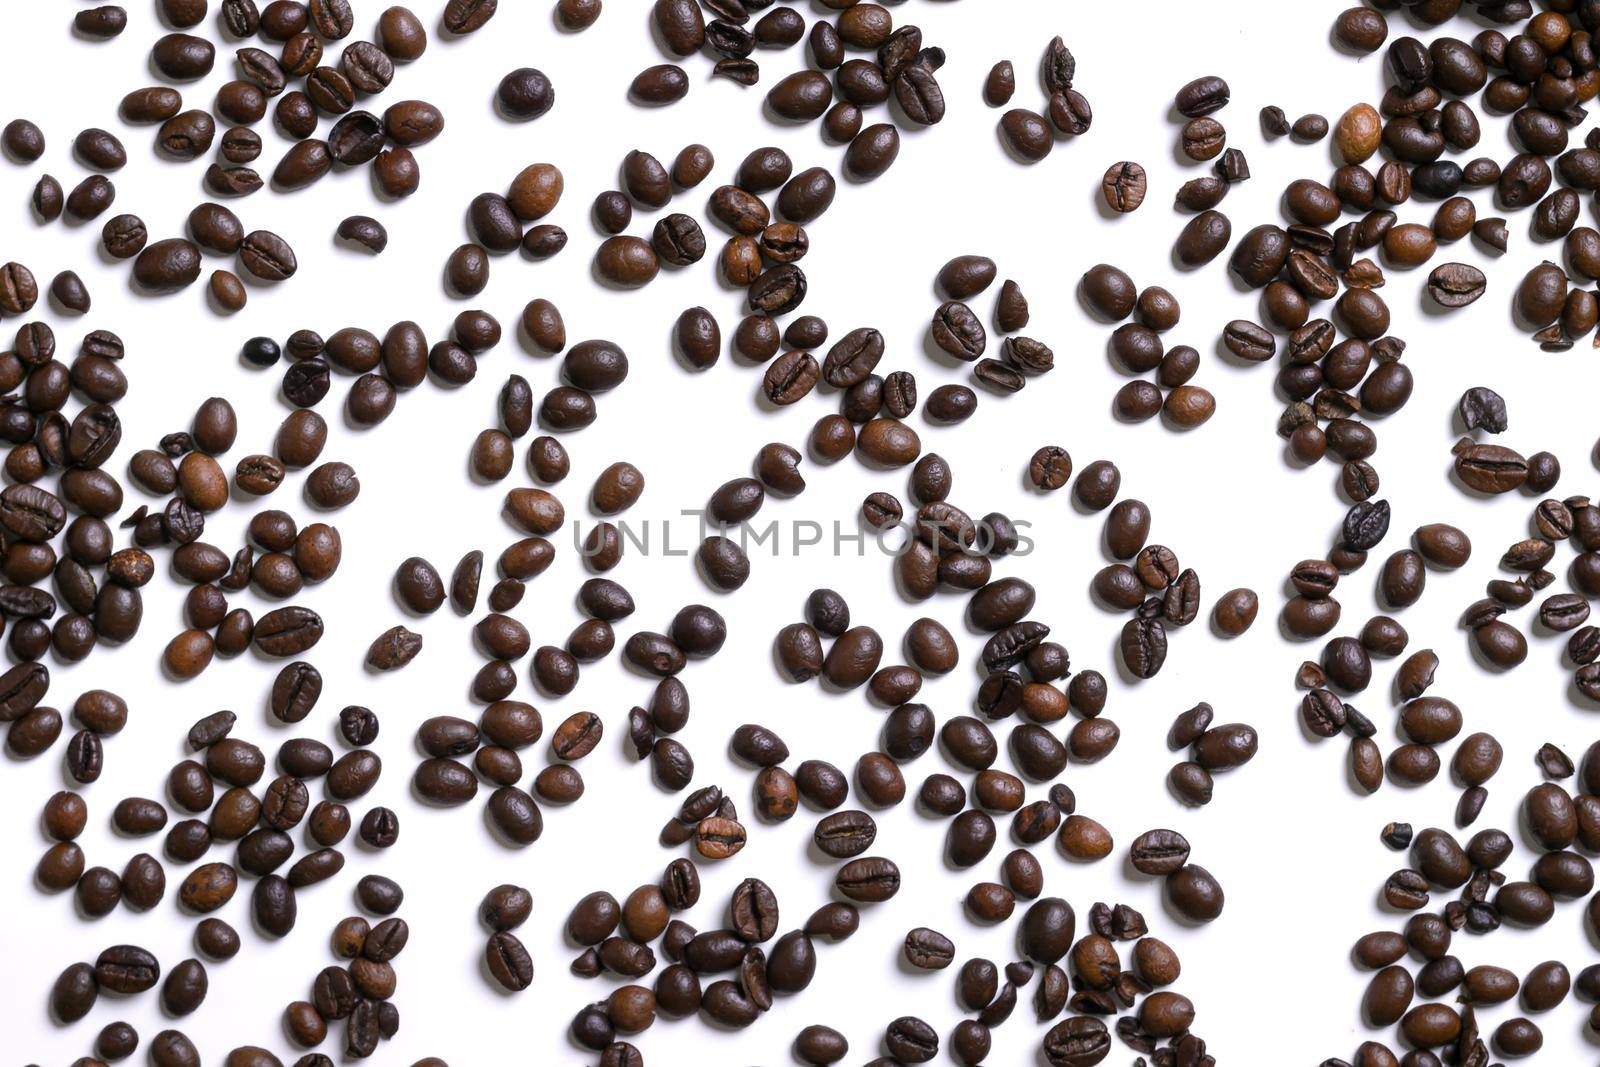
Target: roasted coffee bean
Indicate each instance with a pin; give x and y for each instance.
(1202, 96)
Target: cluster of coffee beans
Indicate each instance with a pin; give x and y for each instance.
(507, 726)
(499, 225)
(260, 826)
(47, 447)
(1085, 976)
(290, 556)
(616, 941)
(903, 68)
(1554, 821)
(1111, 294)
(19, 290)
(1493, 469)
(356, 137)
(504, 908)
(1338, 371)
(761, 254)
(1204, 139)
(125, 971)
(849, 662)
(1211, 749)
(958, 331)
(1154, 586)
(364, 69)
(1426, 722)
(168, 264)
(1314, 611)
(710, 821)
(1027, 134)
(357, 993)
(1540, 75)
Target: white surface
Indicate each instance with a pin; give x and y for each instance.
(1297, 852)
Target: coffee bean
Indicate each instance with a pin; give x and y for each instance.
(1026, 134)
(1159, 852)
(1202, 96)
(1455, 285)
(928, 950)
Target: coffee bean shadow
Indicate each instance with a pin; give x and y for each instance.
(1537, 629)
(466, 461)
(350, 244)
(59, 308)
(49, 1010)
(1485, 248)
(1312, 738)
(1294, 462)
(683, 361)
(1114, 656)
(457, 294)
(1521, 321)
(1458, 426)
(318, 511)
(1090, 310)
(237, 495)
(950, 865)
(1467, 490)
(903, 123)
(765, 403)
(1011, 153)
(637, 671)
(830, 687)
(1131, 873)
(47, 891)
(905, 594)
(13, 158)
(249, 280)
(1576, 698)
(1177, 917)
(906, 969)
(1100, 602)
(818, 857)
(736, 356)
(880, 468)
(160, 79)
(444, 34)
(1228, 357)
(1385, 908)
(499, 837)
(1171, 425)
(705, 1020)
(1199, 167)
(216, 308)
(503, 993)
(1103, 209)
(526, 342)
(1292, 637)
(1103, 542)
(778, 120)
(378, 192)
(1114, 361)
(1430, 307)
(937, 355)
(147, 294)
(1118, 416)
(1523, 833)
(1177, 263)
(1356, 53)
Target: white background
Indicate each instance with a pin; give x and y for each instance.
(1296, 850)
